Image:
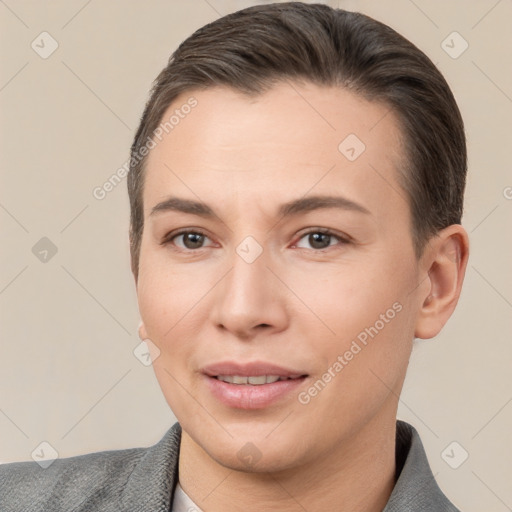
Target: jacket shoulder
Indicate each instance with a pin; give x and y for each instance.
(67, 483)
(416, 489)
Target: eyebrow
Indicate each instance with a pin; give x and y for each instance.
(289, 209)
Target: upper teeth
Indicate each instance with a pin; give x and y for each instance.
(256, 380)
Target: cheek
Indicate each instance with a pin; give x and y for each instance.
(166, 299)
(165, 293)
(160, 308)
(351, 298)
(362, 366)
(173, 303)
(370, 315)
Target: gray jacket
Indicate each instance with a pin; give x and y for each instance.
(144, 479)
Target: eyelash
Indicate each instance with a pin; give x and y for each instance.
(168, 239)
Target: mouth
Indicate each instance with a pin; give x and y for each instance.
(254, 385)
(254, 380)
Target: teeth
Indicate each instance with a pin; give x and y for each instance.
(261, 379)
(256, 380)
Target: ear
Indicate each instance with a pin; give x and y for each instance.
(444, 260)
(143, 334)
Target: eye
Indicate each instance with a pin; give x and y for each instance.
(320, 238)
(190, 240)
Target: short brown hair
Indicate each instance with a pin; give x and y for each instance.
(252, 49)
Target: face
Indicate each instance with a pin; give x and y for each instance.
(296, 264)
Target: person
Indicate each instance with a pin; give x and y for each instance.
(296, 191)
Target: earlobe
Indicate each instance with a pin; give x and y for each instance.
(143, 335)
(445, 262)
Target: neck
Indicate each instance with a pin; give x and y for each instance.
(359, 475)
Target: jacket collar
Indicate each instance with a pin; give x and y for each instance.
(416, 488)
(153, 480)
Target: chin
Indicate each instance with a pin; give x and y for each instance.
(250, 459)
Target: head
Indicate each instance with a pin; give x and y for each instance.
(296, 191)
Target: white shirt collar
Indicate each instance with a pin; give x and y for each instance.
(182, 501)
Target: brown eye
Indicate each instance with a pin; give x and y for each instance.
(319, 239)
(187, 240)
(192, 240)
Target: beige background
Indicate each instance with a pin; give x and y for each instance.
(68, 374)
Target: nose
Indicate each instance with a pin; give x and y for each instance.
(250, 299)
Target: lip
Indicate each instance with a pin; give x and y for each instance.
(247, 396)
(249, 369)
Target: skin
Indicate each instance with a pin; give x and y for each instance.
(296, 305)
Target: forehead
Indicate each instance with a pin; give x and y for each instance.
(288, 139)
